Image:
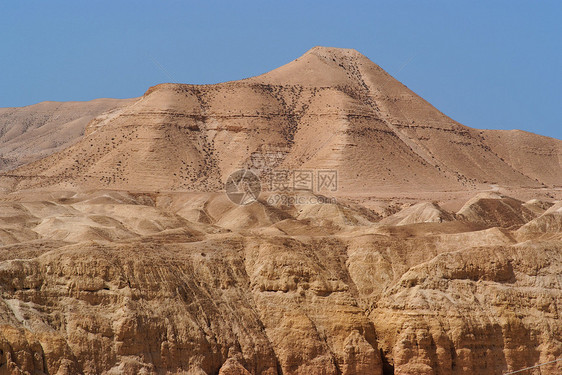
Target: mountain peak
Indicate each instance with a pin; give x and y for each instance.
(341, 57)
(323, 66)
(334, 52)
(330, 109)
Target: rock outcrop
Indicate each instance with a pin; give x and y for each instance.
(121, 283)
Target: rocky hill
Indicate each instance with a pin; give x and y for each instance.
(33, 132)
(329, 109)
(439, 252)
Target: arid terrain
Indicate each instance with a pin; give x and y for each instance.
(438, 250)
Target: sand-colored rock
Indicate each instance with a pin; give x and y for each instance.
(549, 224)
(423, 212)
(493, 209)
(121, 254)
(180, 296)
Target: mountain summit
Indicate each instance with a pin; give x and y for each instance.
(330, 108)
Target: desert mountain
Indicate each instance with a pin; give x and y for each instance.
(329, 109)
(440, 253)
(33, 132)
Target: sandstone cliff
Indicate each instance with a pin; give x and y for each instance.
(112, 282)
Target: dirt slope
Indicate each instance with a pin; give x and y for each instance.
(33, 132)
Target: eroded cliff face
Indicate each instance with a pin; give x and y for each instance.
(114, 282)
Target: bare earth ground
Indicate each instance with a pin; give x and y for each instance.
(120, 253)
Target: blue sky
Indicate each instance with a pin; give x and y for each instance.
(486, 64)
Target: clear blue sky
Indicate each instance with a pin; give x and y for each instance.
(487, 64)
